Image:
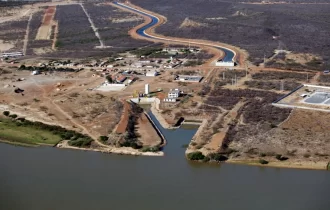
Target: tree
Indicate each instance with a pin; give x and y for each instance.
(6, 113)
(103, 138)
(195, 156)
(109, 79)
(13, 116)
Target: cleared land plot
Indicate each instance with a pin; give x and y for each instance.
(45, 29)
(113, 25)
(16, 132)
(37, 47)
(13, 33)
(75, 31)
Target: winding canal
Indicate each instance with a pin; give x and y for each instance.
(229, 54)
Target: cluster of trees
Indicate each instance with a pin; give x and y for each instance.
(198, 156)
(47, 68)
(131, 136)
(75, 138)
(146, 51)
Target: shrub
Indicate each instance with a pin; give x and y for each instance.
(150, 149)
(217, 157)
(103, 138)
(263, 162)
(262, 155)
(195, 156)
(280, 157)
(6, 113)
(13, 116)
(206, 159)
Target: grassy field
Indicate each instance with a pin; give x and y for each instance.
(13, 132)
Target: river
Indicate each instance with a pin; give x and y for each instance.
(51, 178)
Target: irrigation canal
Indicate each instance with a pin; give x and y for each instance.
(229, 54)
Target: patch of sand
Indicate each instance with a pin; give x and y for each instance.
(4, 46)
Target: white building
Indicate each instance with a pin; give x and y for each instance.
(151, 73)
(172, 100)
(146, 89)
(174, 93)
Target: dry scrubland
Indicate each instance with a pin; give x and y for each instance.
(301, 28)
(77, 39)
(241, 124)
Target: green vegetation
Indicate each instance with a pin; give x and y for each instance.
(263, 162)
(16, 131)
(6, 113)
(103, 138)
(280, 157)
(146, 51)
(217, 157)
(151, 149)
(195, 156)
(23, 131)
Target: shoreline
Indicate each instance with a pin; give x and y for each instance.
(160, 118)
(308, 165)
(120, 150)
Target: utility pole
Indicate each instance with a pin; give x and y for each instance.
(282, 85)
(223, 75)
(246, 70)
(307, 77)
(235, 80)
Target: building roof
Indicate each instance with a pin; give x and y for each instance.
(174, 91)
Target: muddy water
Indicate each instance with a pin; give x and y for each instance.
(50, 178)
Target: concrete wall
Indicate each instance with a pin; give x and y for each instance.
(143, 100)
(225, 64)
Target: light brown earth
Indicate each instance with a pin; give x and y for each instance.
(45, 29)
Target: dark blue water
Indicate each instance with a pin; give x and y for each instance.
(229, 55)
(50, 178)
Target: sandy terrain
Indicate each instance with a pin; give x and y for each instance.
(4, 46)
(45, 29)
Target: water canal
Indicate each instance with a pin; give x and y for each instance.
(51, 178)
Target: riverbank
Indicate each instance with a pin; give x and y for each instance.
(295, 164)
(115, 150)
(160, 118)
(19, 132)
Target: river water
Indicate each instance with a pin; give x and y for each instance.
(48, 178)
